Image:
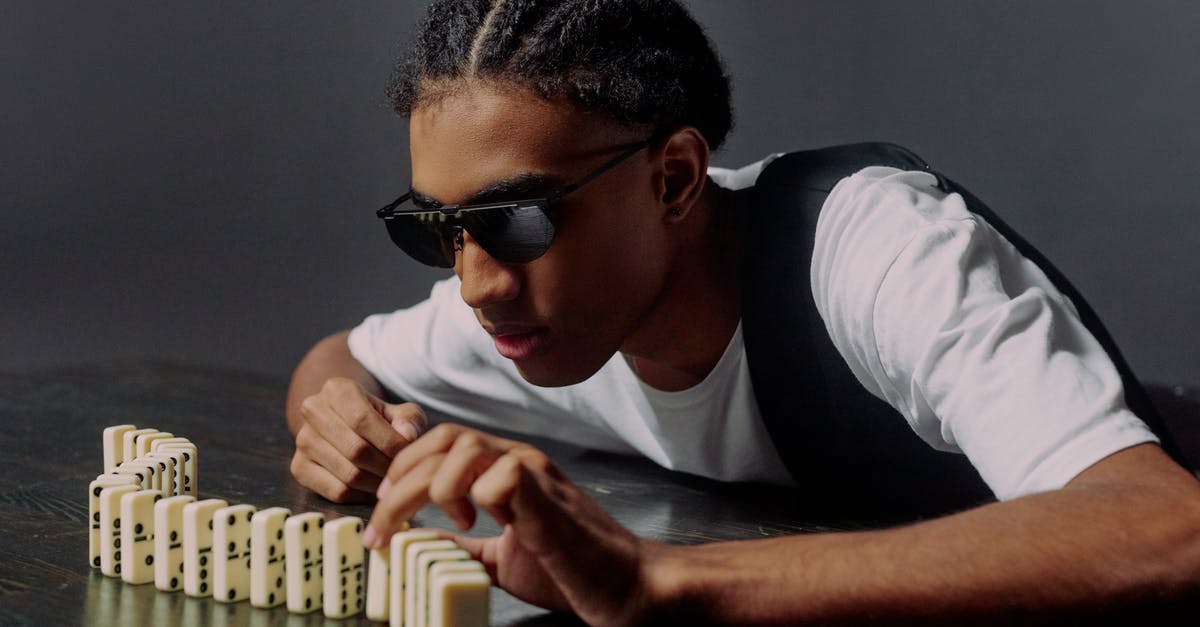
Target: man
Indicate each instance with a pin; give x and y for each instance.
(560, 166)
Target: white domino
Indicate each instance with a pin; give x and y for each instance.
(142, 442)
(424, 562)
(191, 473)
(231, 553)
(377, 584)
(397, 582)
(303, 550)
(129, 443)
(94, 488)
(411, 553)
(110, 528)
(198, 546)
(344, 557)
(114, 449)
(459, 599)
(137, 535)
(169, 463)
(267, 571)
(137, 469)
(168, 542)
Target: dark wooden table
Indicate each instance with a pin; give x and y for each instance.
(50, 426)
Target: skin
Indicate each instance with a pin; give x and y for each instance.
(624, 274)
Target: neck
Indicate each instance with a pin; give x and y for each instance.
(685, 333)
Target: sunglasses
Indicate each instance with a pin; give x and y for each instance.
(510, 232)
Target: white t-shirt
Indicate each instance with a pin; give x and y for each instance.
(932, 309)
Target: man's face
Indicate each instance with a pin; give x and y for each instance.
(563, 315)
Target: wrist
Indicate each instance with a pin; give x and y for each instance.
(666, 591)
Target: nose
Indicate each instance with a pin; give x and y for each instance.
(485, 281)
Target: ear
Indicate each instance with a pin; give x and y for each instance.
(684, 158)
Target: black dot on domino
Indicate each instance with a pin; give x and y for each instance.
(307, 575)
(344, 608)
(278, 581)
(210, 524)
(187, 457)
(181, 568)
(232, 594)
(358, 576)
(232, 547)
(204, 560)
(117, 568)
(96, 491)
(359, 604)
(320, 522)
(203, 588)
(96, 561)
(358, 590)
(271, 598)
(116, 543)
(271, 550)
(174, 535)
(116, 523)
(149, 560)
(174, 582)
(343, 586)
(204, 573)
(137, 529)
(343, 591)
(308, 603)
(305, 528)
(358, 527)
(279, 534)
(305, 553)
(249, 515)
(96, 517)
(117, 556)
(231, 519)
(343, 560)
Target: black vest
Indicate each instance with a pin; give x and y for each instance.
(850, 452)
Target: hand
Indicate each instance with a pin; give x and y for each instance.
(348, 439)
(559, 548)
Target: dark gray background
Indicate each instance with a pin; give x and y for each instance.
(197, 181)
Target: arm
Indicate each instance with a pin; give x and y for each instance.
(1124, 532)
(346, 434)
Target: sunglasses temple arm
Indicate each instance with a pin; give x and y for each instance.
(600, 170)
(386, 209)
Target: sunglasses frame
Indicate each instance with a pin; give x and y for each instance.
(454, 214)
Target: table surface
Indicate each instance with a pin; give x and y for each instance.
(50, 427)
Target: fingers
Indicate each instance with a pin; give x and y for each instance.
(330, 424)
(469, 456)
(322, 453)
(399, 502)
(312, 476)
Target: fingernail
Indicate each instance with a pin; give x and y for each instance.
(370, 538)
(407, 430)
(383, 487)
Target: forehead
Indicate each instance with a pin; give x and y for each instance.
(484, 133)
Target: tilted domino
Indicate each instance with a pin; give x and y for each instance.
(231, 553)
(425, 560)
(191, 473)
(397, 582)
(94, 488)
(377, 583)
(114, 448)
(110, 528)
(170, 463)
(137, 535)
(459, 599)
(344, 557)
(137, 469)
(168, 542)
(411, 553)
(304, 551)
(267, 550)
(142, 442)
(198, 546)
(441, 569)
(129, 443)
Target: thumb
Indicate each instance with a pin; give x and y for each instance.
(408, 419)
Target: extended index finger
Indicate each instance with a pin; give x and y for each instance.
(437, 441)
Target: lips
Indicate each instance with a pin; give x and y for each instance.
(513, 342)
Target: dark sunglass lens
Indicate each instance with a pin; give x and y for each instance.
(517, 234)
(426, 237)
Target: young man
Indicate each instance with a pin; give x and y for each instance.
(560, 166)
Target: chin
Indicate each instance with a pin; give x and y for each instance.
(547, 374)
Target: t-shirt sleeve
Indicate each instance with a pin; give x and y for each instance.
(938, 314)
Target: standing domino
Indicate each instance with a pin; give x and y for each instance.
(425, 561)
(411, 553)
(344, 555)
(191, 472)
(168, 542)
(303, 562)
(110, 528)
(142, 442)
(168, 462)
(397, 583)
(267, 587)
(197, 545)
(231, 553)
(114, 451)
(137, 535)
(129, 443)
(378, 586)
(94, 488)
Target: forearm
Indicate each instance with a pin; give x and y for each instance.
(1073, 550)
(327, 359)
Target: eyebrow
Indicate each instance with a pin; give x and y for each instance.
(516, 187)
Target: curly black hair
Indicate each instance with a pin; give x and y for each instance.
(643, 62)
